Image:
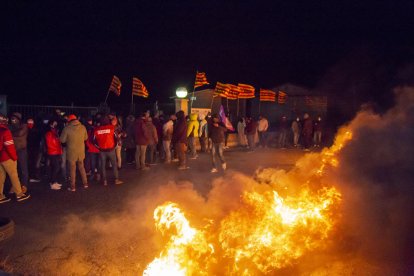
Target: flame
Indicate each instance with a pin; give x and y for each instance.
(275, 224)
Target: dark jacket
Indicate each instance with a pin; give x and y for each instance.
(217, 133)
(19, 132)
(180, 132)
(251, 128)
(141, 133)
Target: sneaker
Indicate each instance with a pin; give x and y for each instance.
(85, 186)
(34, 180)
(214, 170)
(224, 166)
(70, 189)
(145, 168)
(5, 199)
(183, 168)
(54, 186)
(23, 197)
(175, 160)
(118, 182)
(24, 189)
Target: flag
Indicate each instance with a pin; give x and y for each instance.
(200, 80)
(247, 91)
(115, 85)
(233, 92)
(138, 88)
(267, 95)
(224, 119)
(221, 90)
(281, 97)
(316, 101)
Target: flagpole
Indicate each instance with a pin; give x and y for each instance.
(106, 98)
(212, 100)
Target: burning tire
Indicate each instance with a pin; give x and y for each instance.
(6, 229)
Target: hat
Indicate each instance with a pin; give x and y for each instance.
(72, 117)
(17, 115)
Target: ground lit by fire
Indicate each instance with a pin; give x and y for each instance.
(284, 217)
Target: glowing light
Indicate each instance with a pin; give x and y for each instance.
(181, 92)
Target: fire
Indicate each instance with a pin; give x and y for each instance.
(276, 223)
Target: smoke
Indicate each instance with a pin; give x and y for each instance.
(375, 220)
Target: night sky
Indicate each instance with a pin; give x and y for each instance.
(67, 51)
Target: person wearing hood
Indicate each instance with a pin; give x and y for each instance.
(179, 140)
(20, 132)
(8, 164)
(203, 132)
(167, 133)
(74, 135)
(307, 131)
(54, 152)
(192, 134)
(105, 140)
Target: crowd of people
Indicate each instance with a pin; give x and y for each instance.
(60, 145)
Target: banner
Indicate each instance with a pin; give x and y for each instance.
(233, 92)
(221, 90)
(267, 95)
(247, 91)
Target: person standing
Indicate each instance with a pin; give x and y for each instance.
(251, 130)
(179, 140)
(203, 133)
(167, 133)
(217, 135)
(54, 153)
(262, 127)
(317, 133)
(74, 135)
(241, 126)
(8, 163)
(129, 142)
(20, 131)
(92, 153)
(307, 131)
(104, 139)
(192, 135)
(152, 141)
(296, 131)
(141, 141)
(34, 138)
(283, 131)
(119, 136)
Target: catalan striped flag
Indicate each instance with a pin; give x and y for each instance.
(221, 90)
(281, 97)
(267, 95)
(247, 91)
(233, 92)
(115, 85)
(138, 88)
(200, 80)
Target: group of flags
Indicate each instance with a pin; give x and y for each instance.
(138, 88)
(225, 90)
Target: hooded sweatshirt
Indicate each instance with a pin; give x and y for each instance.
(74, 135)
(193, 126)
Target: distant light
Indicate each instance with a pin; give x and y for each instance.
(181, 92)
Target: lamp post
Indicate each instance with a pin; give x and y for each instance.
(181, 102)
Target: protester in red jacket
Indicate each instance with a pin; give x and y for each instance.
(54, 153)
(92, 153)
(104, 140)
(8, 163)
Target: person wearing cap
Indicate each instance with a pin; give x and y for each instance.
(104, 139)
(20, 131)
(74, 135)
(8, 164)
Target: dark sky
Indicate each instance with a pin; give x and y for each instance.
(67, 51)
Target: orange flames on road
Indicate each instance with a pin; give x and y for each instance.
(279, 220)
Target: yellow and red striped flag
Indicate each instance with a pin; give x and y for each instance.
(200, 80)
(138, 88)
(233, 92)
(247, 91)
(221, 90)
(115, 85)
(281, 97)
(267, 95)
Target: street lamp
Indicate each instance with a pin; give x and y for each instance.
(181, 92)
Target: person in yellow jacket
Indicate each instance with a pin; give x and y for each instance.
(192, 134)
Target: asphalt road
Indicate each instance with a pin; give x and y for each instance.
(105, 230)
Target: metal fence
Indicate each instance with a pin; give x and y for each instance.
(39, 111)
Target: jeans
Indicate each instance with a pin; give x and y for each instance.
(192, 146)
(167, 149)
(317, 137)
(72, 170)
(22, 166)
(95, 162)
(151, 152)
(54, 167)
(203, 144)
(262, 138)
(217, 149)
(9, 168)
(180, 148)
(140, 156)
(130, 155)
(111, 155)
